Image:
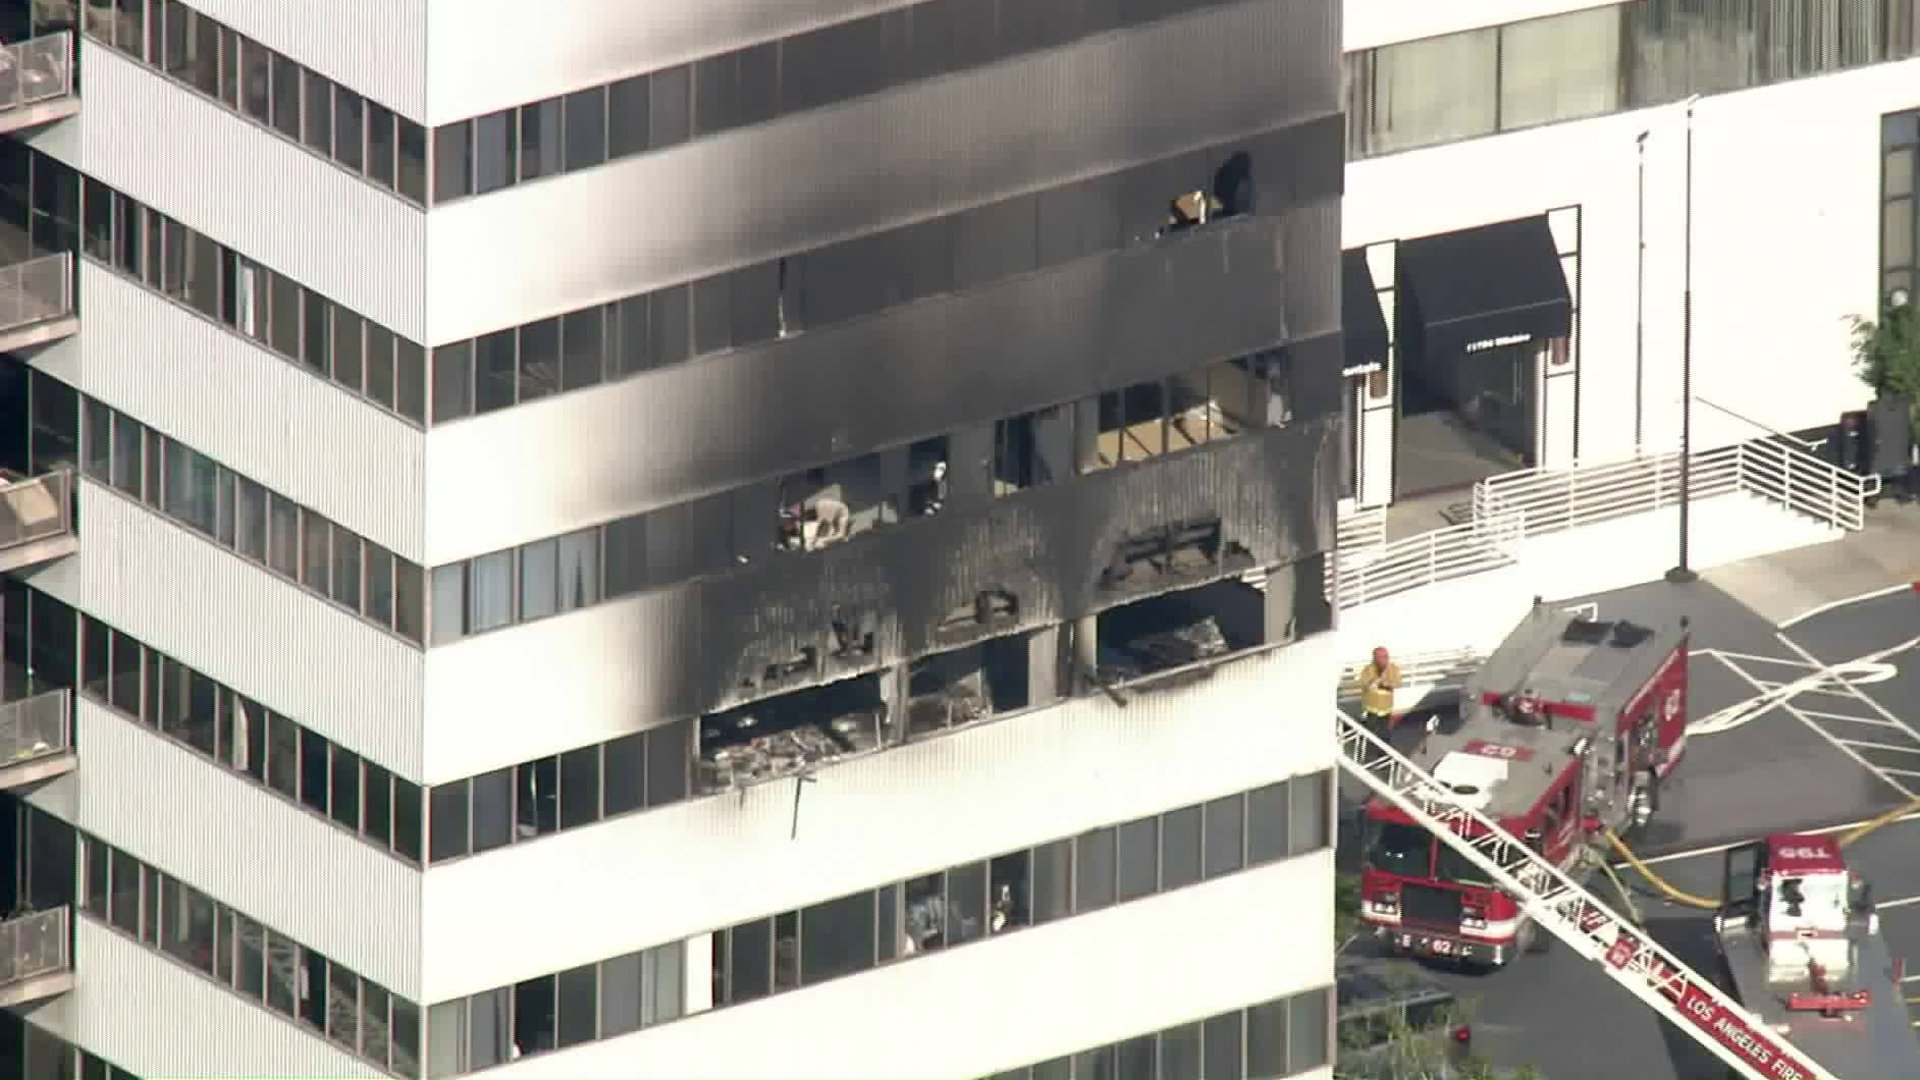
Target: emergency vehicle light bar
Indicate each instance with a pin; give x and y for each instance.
(1575, 916)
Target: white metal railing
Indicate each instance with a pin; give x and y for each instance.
(36, 290)
(1369, 574)
(35, 727)
(1509, 508)
(36, 508)
(1441, 667)
(33, 944)
(36, 70)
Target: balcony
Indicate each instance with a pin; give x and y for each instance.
(36, 959)
(36, 82)
(36, 738)
(36, 302)
(36, 519)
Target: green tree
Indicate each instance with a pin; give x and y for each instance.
(1346, 908)
(1886, 352)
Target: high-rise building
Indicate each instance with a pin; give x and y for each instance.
(683, 539)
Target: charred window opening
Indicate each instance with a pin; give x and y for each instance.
(853, 634)
(1182, 549)
(1230, 195)
(927, 465)
(1031, 450)
(1177, 629)
(803, 662)
(784, 735)
(1152, 419)
(953, 689)
(824, 506)
(987, 608)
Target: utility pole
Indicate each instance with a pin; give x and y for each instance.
(1640, 305)
(1683, 572)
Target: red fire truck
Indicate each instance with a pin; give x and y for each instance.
(1566, 730)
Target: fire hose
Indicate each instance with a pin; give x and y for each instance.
(1686, 899)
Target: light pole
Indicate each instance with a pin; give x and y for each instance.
(1683, 572)
(1640, 303)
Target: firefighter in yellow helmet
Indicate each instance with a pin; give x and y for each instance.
(1378, 680)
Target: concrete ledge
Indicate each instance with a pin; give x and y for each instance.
(35, 988)
(28, 335)
(35, 552)
(38, 113)
(53, 763)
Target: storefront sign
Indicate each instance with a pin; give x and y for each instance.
(1499, 342)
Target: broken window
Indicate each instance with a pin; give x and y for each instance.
(952, 689)
(1184, 547)
(1031, 449)
(927, 467)
(987, 607)
(788, 734)
(824, 506)
(1177, 629)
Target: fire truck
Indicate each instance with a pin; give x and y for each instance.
(1801, 945)
(1567, 730)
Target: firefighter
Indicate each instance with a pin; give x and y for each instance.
(1378, 680)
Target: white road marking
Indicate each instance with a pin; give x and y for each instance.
(1882, 746)
(1824, 608)
(1874, 720)
(1772, 693)
(1781, 661)
(1872, 657)
(1882, 905)
(1786, 703)
(1715, 849)
(1902, 772)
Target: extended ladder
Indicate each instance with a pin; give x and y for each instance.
(1575, 916)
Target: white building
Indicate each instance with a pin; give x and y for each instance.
(1465, 115)
(376, 718)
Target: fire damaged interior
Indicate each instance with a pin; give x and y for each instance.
(1082, 438)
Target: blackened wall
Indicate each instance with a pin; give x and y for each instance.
(1025, 276)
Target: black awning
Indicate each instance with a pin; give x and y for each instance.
(1361, 322)
(1496, 284)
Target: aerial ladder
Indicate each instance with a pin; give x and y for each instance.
(1562, 907)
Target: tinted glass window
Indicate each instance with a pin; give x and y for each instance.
(1052, 881)
(669, 754)
(1093, 870)
(452, 161)
(586, 136)
(750, 961)
(1139, 858)
(449, 820)
(492, 810)
(837, 937)
(1267, 824)
(1225, 835)
(1221, 1053)
(623, 764)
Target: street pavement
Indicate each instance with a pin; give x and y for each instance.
(1811, 762)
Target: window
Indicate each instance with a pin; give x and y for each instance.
(345, 806)
(586, 128)
(669, 763)
(749, 960)
(452, 381)
(579, 569)
(580, 787)
(1267, 823)
(623, 764)
(1422, 92)
(542, 139)
(412, 179)
(1309, 815)
(1221, 1048)
(578, 1006)
(319, 120)
(380, 144)
(377, 813)
(449, 821)
(837, 938)
(349, 131)
(1052, 881)
(286, 95)
(124, 898)
(490, 592)
(539, 359)
(449, 603)
(1225, 839)
(1138, 850)
(493, 372)
(255, 80)
(534, 1015)
(1093, 871)
(1560, 68)
(494, 149)
(628, 123)
(283, 755)
(452, 161)
(620, 995)
(348, 349)
(583, 345)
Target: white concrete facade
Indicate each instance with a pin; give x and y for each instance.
(1786, 242)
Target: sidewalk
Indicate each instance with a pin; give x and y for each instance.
(1784, 584)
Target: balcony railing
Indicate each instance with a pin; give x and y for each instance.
(36, 960)
(34, 74)
(36, 300)
(36, 738)
(36, 519)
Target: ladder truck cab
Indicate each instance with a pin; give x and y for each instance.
(1801, 943)
(1567, 729)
